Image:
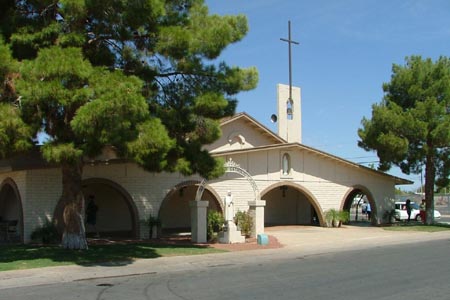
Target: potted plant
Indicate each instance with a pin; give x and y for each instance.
(330, 217)
(335, 218)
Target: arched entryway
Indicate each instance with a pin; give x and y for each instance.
(11, 212)
(175, 212)
(290, 204)
(116, 215)
(360, 203)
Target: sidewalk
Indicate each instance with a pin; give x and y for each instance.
(298, 241)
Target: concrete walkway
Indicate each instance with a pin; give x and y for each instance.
(298, 241)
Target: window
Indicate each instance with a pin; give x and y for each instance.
(286, 164)
(289, 109)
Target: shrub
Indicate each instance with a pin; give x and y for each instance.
(215, 223)
(244, 222)
(344, 216)
(390, 216)
(331, 215)
(335, 218)
(46, 234)
(153, 223)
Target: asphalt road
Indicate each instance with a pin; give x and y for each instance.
(413, 271)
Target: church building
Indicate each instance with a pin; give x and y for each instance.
(275, 177)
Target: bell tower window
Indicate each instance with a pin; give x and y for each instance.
(289, 109)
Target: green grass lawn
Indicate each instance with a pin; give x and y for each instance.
(418, 227)
(15, 257)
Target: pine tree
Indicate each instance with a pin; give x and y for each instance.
(138, 76)
(410, 128)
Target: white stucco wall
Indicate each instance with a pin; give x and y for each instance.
(147, 189)
(322, 180)
(328, 181)
(40, 190)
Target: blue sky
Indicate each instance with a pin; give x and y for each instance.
(346, 52)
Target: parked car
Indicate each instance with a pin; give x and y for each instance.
(400, 210)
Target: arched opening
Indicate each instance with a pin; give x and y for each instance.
(116, 216)
(289, 109)
(175, 211)
(230, 167)
(289, 204)
(360, 203)
(11, 212)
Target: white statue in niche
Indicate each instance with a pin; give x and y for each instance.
(229, 207)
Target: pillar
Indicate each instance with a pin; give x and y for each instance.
(256, 210)
(198, 221)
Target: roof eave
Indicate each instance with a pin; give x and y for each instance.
(398, 180)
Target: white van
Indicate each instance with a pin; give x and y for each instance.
(400, 210)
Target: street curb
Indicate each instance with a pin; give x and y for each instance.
(298, 241)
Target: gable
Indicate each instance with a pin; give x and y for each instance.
(243, 132)
(308, 164)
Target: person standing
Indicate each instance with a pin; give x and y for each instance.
(423, 211)
(368, 211)
(364, 208)
(91, 214)
(408, 209)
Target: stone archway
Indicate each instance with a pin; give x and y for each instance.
(352, 202)
(232, 167)
(117, 215)
(199, 207)
(174, 211)
(11, 208)
(288, 203)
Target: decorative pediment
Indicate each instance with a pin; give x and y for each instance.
(243, 132)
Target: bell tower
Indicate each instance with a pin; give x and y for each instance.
(289, 113)
(289, 103)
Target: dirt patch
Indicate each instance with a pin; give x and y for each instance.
(250, 243)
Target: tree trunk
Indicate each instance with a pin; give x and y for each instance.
(74, 235)
(430, 173)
